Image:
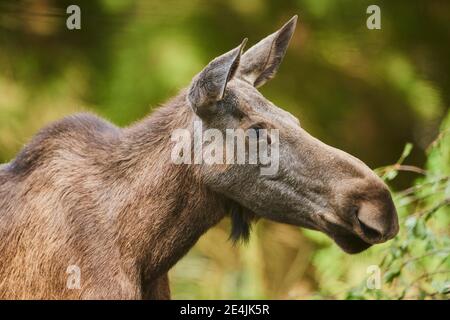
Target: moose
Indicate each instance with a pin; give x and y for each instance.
(110, 201)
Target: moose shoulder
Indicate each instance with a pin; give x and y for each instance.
(110, 203)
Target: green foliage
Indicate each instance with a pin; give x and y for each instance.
(416, 264)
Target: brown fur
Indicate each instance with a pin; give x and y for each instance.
(84, 192)
(111, 201)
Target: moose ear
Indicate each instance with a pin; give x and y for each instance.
(209, 85)
(261, 62)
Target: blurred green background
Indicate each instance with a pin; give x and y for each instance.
(368, 92)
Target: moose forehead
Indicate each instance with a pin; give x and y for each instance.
(244, 101)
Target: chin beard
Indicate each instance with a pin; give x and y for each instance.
(241, 221)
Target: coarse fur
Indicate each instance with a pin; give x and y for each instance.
(86, 195)
(84, 192)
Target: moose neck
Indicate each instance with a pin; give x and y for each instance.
(168, 208)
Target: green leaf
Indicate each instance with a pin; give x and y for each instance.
(406, 152)
(391, 275)
(420, 230)
(411, 223)
(402, 295)
(390, 175)
(441, 287)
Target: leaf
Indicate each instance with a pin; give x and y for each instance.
(442, 288)
(402, 295)
(390, 175)
(404, 246)
(420, 230)
(354, 295)
(406, 152)
(411, 223)
(391, 275)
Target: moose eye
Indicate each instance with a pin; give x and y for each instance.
(257, 129)
(260, 134)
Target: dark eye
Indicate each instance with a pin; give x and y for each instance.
(257, 129)
(260, 134)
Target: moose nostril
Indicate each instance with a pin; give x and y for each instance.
(372, 221)
(368, 231)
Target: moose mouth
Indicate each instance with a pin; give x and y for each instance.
(350, 243)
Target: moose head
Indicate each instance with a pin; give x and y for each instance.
(316, 186)
(84, 191)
